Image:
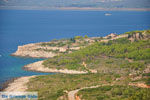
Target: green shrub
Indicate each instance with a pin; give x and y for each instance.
(146, 74)
(134, 65)
(141, 95)
(147, 81)
(77, 37)
(116, 91)
(85, 36)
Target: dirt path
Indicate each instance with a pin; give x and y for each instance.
(90, 70)
(71, 94)
(141, 85)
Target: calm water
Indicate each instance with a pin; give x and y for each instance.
(18, 27)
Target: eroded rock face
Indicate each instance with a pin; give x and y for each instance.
(114, 38)
(36, 50)
(31, 50)
(139, 36)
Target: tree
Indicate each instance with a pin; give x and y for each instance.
(85, 36)
(73, 40)
(77, 37)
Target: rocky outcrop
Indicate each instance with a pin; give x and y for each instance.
(31, 50)
(114, 38)
(36, 50)
(111, 35)
(135, 36)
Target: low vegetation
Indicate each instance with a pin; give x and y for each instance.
(76, 41)
(51, 87)
(115, 92)
(147, 81)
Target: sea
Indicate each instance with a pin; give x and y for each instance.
(20, 27)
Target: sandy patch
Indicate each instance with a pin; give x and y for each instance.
(37, 66)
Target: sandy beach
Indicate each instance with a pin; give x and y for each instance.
(37, 66)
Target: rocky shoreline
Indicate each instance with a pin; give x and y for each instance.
(6, 83)
(31, 50)
(16, 84)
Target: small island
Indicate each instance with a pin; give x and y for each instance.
(89, 68)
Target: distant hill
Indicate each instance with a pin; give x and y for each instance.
(49, 4)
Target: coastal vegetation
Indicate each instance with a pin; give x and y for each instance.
(79, 40)
(137, 54)
(68, 45)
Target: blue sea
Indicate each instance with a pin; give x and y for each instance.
(19, 27)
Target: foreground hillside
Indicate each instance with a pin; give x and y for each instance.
(122, 71)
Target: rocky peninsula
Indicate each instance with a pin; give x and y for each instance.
(54, 47)
(57, 47)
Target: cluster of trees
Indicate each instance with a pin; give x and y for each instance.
(143, 94)
(77, 38)
(54, 44)
(134, 65)
(123, 48)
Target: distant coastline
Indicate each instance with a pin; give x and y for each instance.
(105, 9)
(73, 8)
